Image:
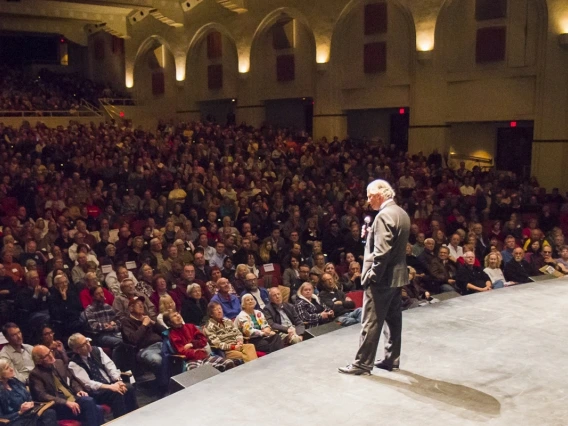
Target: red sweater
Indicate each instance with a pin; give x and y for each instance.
(188, 333)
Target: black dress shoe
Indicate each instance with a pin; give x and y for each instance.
(354, 370)
(387, 367)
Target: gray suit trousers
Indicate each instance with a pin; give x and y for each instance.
(380, 304)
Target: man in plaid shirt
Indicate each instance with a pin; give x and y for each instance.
(103, 322)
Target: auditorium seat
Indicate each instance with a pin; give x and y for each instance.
(276, 273)
(357, 297)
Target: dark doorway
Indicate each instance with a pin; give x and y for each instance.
(514, 149)
(399, 129)
(387, 125)
(296, 113)
(221, 111)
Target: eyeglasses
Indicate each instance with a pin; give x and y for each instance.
(87, 341)
(42, 357)
(547, 252)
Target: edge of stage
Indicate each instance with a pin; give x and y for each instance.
(495, 358)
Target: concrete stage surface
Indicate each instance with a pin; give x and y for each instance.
(496, 358)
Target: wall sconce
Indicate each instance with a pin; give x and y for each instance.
(563, 40)
(424, 55)
(322, 67)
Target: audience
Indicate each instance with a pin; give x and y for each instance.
(112, 220)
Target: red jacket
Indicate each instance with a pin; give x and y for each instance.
(188, 333)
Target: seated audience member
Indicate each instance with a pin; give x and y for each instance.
(8, 290)
(260, 294)
(12, 268)
(507, 252)
(456, 251)
(282, 317)
(518, 270)
(166, 304)
(223, 334)
(114, 278)
(100, 377)
(493, 270)
(549, 261)
(563, 259)
(202, 269)
(212, 283)
(343, 307)
(413, 294)
(65, 306)
(79, 271)
(17, 352)
(533, 254)
(51, 380)
(291, 275)
(255, 328)
(310, 310)
(47, 339)
(241, 272)
(58, 265)
(339, 281)
(31, 303)
(352, 278)
(230, 303)
(219, 255)
(121, 302)
(91, 281)
(194, 307)
(470, 278)
(188, 341)
(145, 280)
(139, 330)
(161, 289)
(16, 401)
(442, 272)
(187, 278)
(428, 254)
(103, 321)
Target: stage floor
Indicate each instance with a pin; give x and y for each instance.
(495, 358)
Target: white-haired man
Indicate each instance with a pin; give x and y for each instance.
(384, 273)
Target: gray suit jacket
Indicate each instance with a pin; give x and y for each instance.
(384, 263)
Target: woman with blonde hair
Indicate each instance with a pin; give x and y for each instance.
(16, 401)
(493, 270)
(166, 304)
(310, 310)
(329, 268)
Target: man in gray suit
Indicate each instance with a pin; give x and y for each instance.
(384, 273)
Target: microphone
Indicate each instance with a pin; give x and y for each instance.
(365, 228)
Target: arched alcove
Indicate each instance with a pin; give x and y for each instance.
(212, 65)
(283, 56)
(372, 50)
(483, 35)
(154, 71)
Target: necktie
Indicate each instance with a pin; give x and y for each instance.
(63, 389)
(96, 373)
